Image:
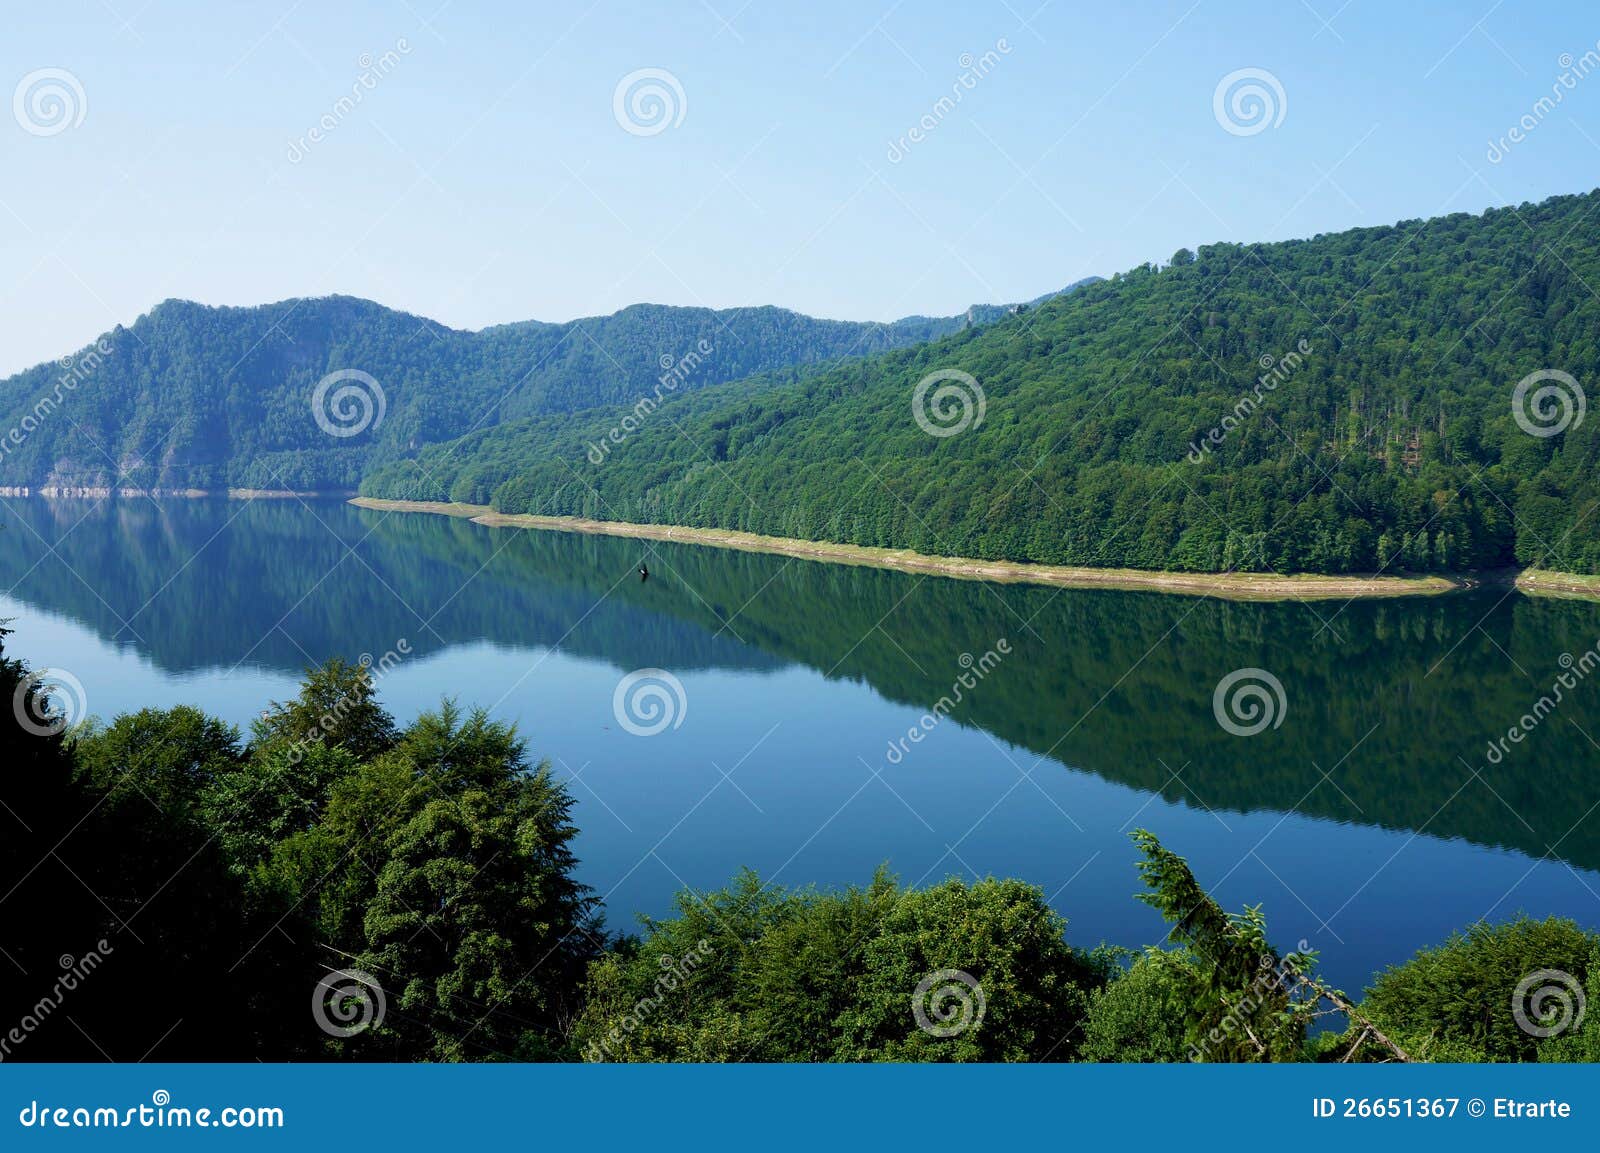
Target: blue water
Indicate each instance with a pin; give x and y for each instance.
(797, 678)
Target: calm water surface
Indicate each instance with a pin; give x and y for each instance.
(1368, 822)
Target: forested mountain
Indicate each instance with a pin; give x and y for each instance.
(198, 397)
(1353, 402)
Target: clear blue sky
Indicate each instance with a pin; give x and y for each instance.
(486, 179)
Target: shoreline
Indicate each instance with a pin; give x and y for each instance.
(1238, 586)
(96, 492)
(1571, 586)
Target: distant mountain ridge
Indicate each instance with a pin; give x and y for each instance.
(1407, 398)
(979, 314)
(198, 397)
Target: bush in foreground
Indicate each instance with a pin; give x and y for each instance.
(1462, 1000)
(956, 972)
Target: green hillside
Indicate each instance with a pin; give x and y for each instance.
(1337, 404)
(199, 397)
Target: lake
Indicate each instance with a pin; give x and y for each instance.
(1370, 814)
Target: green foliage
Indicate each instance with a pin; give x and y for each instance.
(1005, 937)
(1581, 1042)
(436, 859)
(167, 756)
(208, 398)
(1389, 442)
(1245, 1003)
(1141, 1014)
(276, 792)
(336, 705)
(753, 973)
(443, 867)
(694, 987)
(1455, 1001)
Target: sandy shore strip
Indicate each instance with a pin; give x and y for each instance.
(1539, 582)
(1241, 586)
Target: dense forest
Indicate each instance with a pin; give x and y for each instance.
(177, 891)
(211, 398)
(1354, 402)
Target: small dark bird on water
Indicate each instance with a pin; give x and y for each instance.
(644, 573)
